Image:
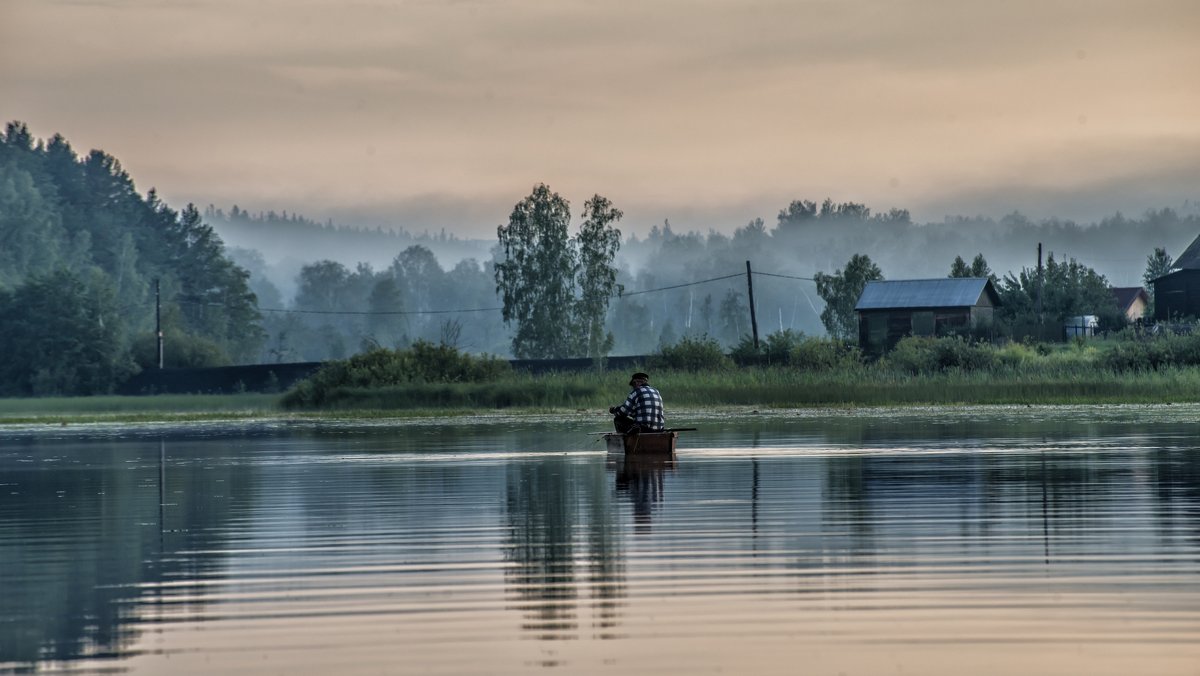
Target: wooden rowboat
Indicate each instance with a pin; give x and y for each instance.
(644, 443)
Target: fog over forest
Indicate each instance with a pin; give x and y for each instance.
(86, 261)
(439, 272)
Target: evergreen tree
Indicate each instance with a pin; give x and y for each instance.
(60, 211)
(31, 233)
(213, 293)
(977, 268)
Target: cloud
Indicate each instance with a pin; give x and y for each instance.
(1138, 178)
(722, 110)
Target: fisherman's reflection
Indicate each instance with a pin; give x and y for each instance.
(642, 480)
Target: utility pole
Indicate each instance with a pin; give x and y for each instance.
(753, 319)
(158, 322)
(1038, 303)
(1037, 298)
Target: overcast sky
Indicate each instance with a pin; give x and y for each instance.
(444, 113)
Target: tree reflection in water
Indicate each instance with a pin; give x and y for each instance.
(554, 509)
(96, 536)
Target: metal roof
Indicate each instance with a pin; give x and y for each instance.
(925, 293)
(1189, 259)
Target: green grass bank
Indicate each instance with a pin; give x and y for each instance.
(441, 381)
(778, 388)
(156, 408)
(805, 372)
(755, 387)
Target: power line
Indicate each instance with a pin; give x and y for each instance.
(485, 309)
(345, 312)
(366, 312)
(770, 274)
(679, 286)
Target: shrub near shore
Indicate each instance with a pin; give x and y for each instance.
(382, 369)
(812, 372)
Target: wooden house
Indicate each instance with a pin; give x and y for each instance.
(1177, 293)
(1132, 301)
(889, 310)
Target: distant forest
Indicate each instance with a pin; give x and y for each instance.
(663, 274)
(81, 251)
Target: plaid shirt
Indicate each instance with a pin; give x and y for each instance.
(645, 406)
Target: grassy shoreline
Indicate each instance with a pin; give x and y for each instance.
(761, 388)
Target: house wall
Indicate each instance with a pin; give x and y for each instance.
(982, 314)
(880, 330)
(1136, 310)
(1177, 295)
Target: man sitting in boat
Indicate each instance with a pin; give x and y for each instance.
(642, 410)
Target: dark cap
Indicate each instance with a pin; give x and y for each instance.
(638, 376)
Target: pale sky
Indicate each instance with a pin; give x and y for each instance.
(444, 113)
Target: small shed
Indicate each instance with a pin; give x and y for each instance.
(1132, 301)
(889, 310)
(1177, 293)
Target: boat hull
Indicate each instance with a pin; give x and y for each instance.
(645, 443)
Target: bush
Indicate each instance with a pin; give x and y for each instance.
(933, 355)
(818, 354)
(694, 354)
(1015, 355)
(779, 346)
(463, 395)
(381, 368)
(1132, 357)
(745, 352)
(445, 364)
(775, 349)
(1154, 353)
(180, 350)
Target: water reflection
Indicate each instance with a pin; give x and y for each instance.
(558, 516)
(85, 530)
(640, 480)
(514, 547)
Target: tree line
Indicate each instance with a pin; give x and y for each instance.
(80, 254)
(565, 295)
(338, 311)
(81, 251)
(808, 239)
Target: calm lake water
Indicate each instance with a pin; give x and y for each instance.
(949, 541)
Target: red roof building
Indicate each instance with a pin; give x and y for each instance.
(1132, 301)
